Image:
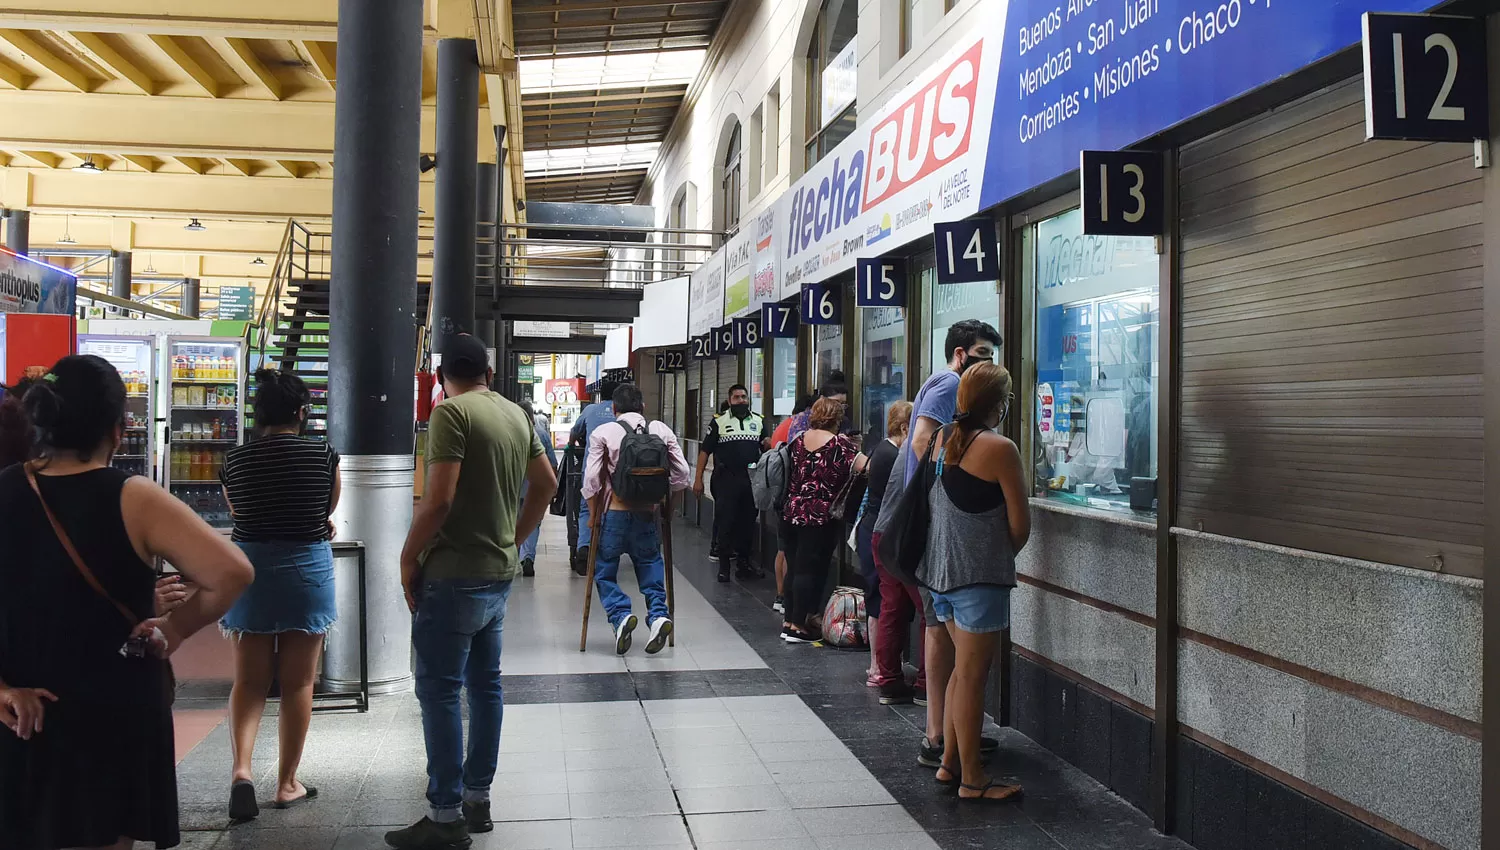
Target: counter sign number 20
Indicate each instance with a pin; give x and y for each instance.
(1425, 78)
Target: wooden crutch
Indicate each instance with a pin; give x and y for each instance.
(666, 550)
(588, 588)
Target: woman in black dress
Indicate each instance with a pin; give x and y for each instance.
(86, 752)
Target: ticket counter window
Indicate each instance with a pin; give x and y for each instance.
(828, 352)
(754, 367)
(946, 306)
(1094, 401)
(783, 376)
(882, 367)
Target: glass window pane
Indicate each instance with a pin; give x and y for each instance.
(755, 376)
(784, 376)
(1096, 364)
(828, 351)
(951, 304)
(882, 366)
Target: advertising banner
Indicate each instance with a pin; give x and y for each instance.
(28, 286)
(765, 263)
(548, 330)
(840, 83)
(921, 156)
(706, 296)
(1091, 75)
(737, 272)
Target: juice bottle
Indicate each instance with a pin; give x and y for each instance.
(227, 370)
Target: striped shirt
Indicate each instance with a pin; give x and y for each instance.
(280, 488)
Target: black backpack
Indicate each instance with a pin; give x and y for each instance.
(642, 478)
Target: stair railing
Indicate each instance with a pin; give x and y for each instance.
(270, 305)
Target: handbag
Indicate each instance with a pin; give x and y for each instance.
(169, 679)
(845, 507)
(900, 540)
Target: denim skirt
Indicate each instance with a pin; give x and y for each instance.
(292, 590)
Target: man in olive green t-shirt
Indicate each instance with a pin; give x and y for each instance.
(456, 568)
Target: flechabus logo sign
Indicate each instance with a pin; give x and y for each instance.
(928, 131)
(821, 209)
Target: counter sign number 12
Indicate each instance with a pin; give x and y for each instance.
(1425, 78)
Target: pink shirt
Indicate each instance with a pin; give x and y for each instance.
(604, 453)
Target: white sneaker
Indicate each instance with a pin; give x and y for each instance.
(661, 629)
(622, 634)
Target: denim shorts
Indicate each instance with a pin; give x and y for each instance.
(292, 590)
(978, 608)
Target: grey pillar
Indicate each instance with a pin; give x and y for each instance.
(484, 328)
(457, 197)
(18, 231)
(372, 316)
(191, 291)
(119, 278)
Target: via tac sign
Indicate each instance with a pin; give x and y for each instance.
(1122, 193)
(966, 251)
(822, 304)
(747, 332)
(723, 342)
(880, 282)
(1425, 78)
(778, 321)
(702, 346)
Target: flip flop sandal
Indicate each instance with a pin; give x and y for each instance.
(1015, 793)
(312, 794)
(242, 805)
(952, 782)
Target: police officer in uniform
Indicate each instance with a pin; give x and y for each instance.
(735, 439)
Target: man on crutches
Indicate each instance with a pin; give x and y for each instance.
(632, 468)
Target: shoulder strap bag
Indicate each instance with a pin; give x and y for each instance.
(169, 683)
(900, 542)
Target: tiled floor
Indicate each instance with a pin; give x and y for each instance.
(731, 740)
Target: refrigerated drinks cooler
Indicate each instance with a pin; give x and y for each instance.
(205, 419)
(135, 358)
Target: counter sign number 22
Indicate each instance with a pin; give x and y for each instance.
(1425, 78)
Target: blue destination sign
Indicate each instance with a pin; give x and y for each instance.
(1105, 74)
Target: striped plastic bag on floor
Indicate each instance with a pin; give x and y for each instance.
(844, 623)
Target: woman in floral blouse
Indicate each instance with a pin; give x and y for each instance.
(821, 464)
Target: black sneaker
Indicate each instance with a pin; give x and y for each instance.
(581, 562)
(428, 834)
(919, 696)
(896, 693)
(528, 567)
(723, 572)
(477, 816)
(779, 606)
(746, 571)
(713, 551)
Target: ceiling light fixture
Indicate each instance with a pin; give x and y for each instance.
(67, 237)
(149, 269)
(257, 262)
(194, 225)
(88, 166)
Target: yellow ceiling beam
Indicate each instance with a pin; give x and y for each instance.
(15, 77)
(41, 55)
(120, 124)
(174, 53)
(240, 166)
(320, 55)
(277, 19)
(237, 52)
(147, 164)
(193, 163)
(45, 159)
(110, 58)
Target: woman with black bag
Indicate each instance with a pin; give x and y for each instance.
(821, 465)
(87, 754)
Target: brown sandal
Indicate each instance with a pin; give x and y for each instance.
(1013, 792)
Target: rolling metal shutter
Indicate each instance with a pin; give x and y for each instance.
(1332, 338)
(729, 375)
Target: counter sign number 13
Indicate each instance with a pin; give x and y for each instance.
(1425, 78)
(1123, 193)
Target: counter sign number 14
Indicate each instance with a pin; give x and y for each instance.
(966, 251)
(1425, 78)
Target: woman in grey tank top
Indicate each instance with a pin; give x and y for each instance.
(980, 520)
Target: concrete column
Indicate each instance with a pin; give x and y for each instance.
(18, 231)
(191, 291)
(119, 277)
(457, 197)
(372, 336)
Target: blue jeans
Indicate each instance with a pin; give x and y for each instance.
(635, 534)
(528, 546)
(456, 634)
(585, 533)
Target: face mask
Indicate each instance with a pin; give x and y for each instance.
(740, 411)
(971, 360)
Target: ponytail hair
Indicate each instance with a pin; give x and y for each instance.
(982, 390)
(279, 397)
(75, 407)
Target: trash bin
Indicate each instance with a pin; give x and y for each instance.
(346, 665)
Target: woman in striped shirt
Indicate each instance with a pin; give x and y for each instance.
(281, 490)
